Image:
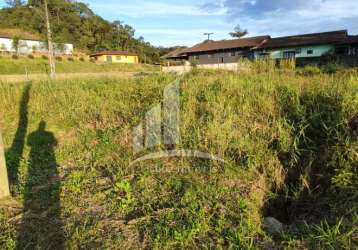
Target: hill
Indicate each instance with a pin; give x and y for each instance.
(74, 22)
(288, 139)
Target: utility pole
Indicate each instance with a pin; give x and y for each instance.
(4, 181)
(50, 44)
(208, 34)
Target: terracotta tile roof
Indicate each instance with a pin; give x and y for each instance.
(306, 39)
(179, 52)
(111, 53)
(351, 39)
(227, 44)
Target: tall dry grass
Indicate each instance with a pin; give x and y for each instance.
(289, 141)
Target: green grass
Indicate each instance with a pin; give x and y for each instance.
(289, 141)
(22, 65)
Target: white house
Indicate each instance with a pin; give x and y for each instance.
(28, 46)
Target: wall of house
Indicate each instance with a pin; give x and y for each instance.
(301, 52)
(31, 46)
(118, 59)
(353, 50)
(237, 66)
(228, 56)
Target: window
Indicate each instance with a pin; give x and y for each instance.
(310, 52)
(118, 58)
(196, 57)
(232, 53)
(298, 51)
(342, 50)
(264, 55)
(289, 54)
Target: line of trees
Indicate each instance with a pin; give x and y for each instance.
(74, 22)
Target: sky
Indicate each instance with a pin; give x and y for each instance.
(171, 23)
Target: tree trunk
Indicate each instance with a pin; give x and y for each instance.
(4, 181)
(50, 44)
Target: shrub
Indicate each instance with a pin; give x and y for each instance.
(194, 64)
(82, 59)
(310, 70)
(44, 57)
(331, 68)
(31, 56)
(58, 58)
(70, 59)
(15, 57)
(92, 60)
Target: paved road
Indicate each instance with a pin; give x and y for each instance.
(63, 76)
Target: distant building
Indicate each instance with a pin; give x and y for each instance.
(29, 43)
(115, 57)
(308, 47)
(225, 51)
(176, 55)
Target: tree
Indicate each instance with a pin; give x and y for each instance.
(239, 32)
(14, 3)
(16, 44)
(74, 22)
(3, 47)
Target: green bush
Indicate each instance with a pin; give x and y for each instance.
(82, 59)
(309, 70)
(70, 59)
(31, 56)
(58, 58)
(331, 68)
(15, 57)
(44, 57)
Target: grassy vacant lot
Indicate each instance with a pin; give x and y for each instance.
(289, 141)
(22, 65)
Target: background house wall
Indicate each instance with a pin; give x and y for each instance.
(28, 46)
(225, 56)
(117, 59)
(301, 52)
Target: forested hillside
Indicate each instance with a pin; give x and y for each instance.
(74, 22)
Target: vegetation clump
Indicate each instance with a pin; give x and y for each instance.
(103, 35)
(288, 142)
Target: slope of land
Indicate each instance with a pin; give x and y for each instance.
(74, 22)
(24, 65)
(289, 143)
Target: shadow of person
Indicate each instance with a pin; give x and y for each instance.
(15, 153)
(41, 226)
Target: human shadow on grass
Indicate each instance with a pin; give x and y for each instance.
(41, 226)
(15, 153)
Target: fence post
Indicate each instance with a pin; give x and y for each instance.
(4, 181)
